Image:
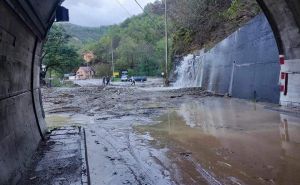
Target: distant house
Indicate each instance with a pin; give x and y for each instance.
(84, 73)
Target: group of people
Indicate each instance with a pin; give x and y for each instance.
(106, 80)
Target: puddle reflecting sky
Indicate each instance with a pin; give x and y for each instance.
(238, 142)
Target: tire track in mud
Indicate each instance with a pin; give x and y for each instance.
(210, 179)
(132, 153)
(143, 175)
(136, 176)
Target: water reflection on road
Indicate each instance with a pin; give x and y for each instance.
(230, 141)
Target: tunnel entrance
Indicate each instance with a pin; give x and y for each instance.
(23, 28)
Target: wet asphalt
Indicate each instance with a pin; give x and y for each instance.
(148, 134)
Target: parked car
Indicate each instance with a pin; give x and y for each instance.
(124, 78)
(139, 78)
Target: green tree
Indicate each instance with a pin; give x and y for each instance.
(103, 70)
(202, 23)
(57, 54)
(134, 43)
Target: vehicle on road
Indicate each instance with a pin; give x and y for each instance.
(124, 78)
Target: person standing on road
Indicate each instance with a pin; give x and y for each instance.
(104, 81)
(107, 80)
(132, 81)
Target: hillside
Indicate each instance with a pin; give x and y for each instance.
(216, 21)
(84, 34)
(139, 42)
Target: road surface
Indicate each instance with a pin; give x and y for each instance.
(150, 135)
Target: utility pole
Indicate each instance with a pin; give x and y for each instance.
(166, 47)
(112, 57)
(50, 79)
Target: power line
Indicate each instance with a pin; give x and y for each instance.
(147, 43)
(144, 11)
(139, 5)
(122, 6)
(153, 21)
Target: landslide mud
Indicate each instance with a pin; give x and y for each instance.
(153, 135)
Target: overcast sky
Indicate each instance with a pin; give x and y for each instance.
(96, 13)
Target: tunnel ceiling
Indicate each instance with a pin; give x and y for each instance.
(284, 18)
(39, 15)
(295, 8)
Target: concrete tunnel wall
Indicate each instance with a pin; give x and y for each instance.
(22, 30)
(23, 26)
(284, 18)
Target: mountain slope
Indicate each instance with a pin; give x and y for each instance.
(84, 34)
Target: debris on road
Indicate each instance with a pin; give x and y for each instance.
(152, 135)
(59, 160)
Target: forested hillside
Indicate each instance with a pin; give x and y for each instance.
(84, 34)
(201, 24)
(138, 43)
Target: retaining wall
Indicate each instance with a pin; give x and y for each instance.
(244, 65)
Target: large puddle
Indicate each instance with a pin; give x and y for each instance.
(66, 119)
(230, 141)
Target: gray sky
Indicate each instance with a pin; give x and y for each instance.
(96, 13)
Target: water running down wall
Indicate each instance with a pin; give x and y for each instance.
(244, 65)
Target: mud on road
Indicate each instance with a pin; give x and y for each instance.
(115, 102)
(153, 135)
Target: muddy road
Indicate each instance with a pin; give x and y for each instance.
(152, 135)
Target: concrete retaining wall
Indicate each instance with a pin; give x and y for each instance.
(244, 65)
